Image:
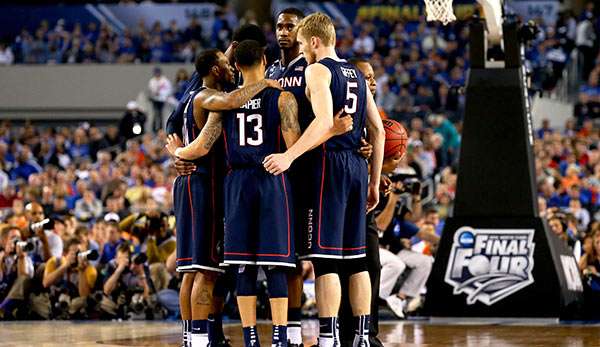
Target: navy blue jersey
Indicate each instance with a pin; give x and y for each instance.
(349, 91)
(190, 131)
(291, 79)
(253, 131)
(175, 120)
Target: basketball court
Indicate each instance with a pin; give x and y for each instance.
(394, 334)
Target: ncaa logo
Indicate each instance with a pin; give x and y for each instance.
(490, 264)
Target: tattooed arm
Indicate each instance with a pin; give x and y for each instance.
(288, 109)
(214, 100)
(202, 144)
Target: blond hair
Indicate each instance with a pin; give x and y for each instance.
(318, 25)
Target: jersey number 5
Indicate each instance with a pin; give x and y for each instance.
(351, 97)
(252, 141)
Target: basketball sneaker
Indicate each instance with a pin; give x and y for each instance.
(359, 341)
(396, 305)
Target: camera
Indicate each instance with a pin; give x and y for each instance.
(137, 304)
(90, 255)
(139, 259)
(46, 224)
(410, 184)
(26, 246)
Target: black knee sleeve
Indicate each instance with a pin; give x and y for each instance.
(325, 266)
(347, 267)
(277, 282)
(246, 280)
(354, 266)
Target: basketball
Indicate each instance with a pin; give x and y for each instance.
(396, 138)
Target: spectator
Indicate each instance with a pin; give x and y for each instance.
(88, 207)
(181, 82)
(6, 54)
(160, 89)
(133, 122)
(112, 242)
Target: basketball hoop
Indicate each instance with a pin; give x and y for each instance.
(440, 10)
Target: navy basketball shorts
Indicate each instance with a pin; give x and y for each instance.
(198, 222)
(336, 190)
(297, 176)
(258, 218)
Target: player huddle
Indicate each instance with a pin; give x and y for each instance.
(285, 181)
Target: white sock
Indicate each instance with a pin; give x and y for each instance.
(199, 340)
(326, 341)
(294, 334)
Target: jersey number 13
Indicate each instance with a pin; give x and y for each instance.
(254, 120)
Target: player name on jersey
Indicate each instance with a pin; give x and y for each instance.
(349, 73)
(253, 104)
(287, 82)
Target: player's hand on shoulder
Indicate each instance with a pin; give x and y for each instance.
(342, 123)
(273, 84)
(277, 163)
(366, 149)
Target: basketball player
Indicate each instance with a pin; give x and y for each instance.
(339, 192)
(258, 216)
(372, 251)
(196, 197)
(289, 71)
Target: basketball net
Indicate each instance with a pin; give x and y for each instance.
(439, 10)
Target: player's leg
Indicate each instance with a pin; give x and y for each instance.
(360, 300)
(328, 293)
(184, 254)
(202, 295)
(215, 318)
(295, 284)
(185, 306)
(278, 298)
(355, 244)
(246, 299)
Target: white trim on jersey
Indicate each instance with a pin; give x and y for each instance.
(331, 256)
(196, 268)
(259, 263)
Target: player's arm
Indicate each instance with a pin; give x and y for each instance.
(202, 144)
(214, 100)
(377, 139)
(319, 130)
(288, 109)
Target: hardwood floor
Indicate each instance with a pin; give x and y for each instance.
(404, 333)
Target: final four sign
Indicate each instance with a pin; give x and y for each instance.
(490, 264)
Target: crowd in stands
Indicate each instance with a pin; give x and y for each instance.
(108, 191)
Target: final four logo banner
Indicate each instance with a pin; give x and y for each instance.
(490, 264)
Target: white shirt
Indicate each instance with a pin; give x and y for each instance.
(364, 45)
(6, 56)
(160, 88)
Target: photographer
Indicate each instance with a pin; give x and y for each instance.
(16, 270)
(589, 265)
(109, 250)
(123, 277)
(48, 244)
(394, 220)
(70, 278)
